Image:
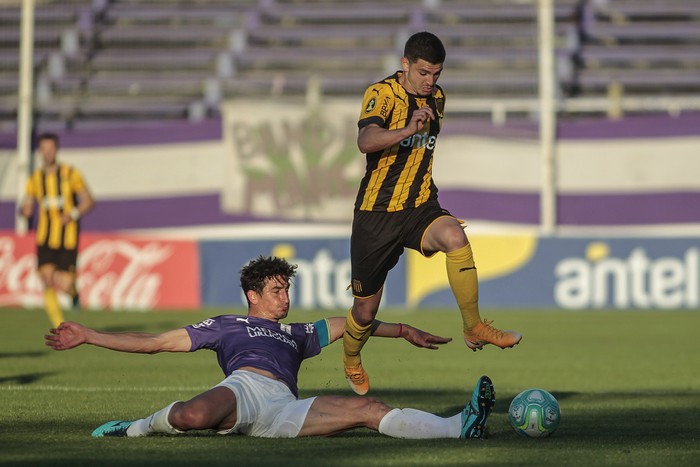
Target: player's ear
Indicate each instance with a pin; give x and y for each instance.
(252, 296)
(404, 64)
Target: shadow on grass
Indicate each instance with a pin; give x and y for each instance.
(26, 379)
(644, 425)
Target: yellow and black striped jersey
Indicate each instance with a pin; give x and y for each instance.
(56, 194)
(401, 176)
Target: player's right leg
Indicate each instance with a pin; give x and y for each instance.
(213, 409)
(358, 328)
(447, 234)
(155, 423)
(47, 273)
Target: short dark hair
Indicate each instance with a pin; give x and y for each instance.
(425, 45)
(257, 271)
(48, 136)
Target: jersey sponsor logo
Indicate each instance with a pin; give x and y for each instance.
(384, 111)
(53, 202)
(203, 324)
(264, 332)
(420, 140)
(371, 105)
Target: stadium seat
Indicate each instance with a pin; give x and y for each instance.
(177, 55)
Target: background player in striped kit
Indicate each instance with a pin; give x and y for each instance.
(62, 198)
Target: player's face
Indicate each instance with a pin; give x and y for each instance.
(274, 300)
(419, 78)
(48, 150)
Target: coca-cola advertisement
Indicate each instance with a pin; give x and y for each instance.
(115, 272)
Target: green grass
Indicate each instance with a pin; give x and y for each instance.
(628, 384)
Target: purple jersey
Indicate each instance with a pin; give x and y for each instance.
(260, 343)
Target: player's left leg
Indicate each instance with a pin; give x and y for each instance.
(446, 234)
(334, 414)
(470, 423)
(66, 274)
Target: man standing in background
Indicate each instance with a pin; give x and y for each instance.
(62, 197)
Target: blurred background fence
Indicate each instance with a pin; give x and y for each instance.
(98, 62)
(195, 122)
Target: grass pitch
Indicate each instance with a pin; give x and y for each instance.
(628, 384)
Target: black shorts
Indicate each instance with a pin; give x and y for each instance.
(379, 238)
(64, 259)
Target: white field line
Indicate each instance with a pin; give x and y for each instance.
(30, 388)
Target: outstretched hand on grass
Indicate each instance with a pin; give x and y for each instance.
(66, 336)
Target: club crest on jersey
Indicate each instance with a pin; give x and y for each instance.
(371, 105)
(286, 328)
(203, 324)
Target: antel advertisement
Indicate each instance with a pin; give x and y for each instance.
(515, 271)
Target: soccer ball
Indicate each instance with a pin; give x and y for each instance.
(534, 413)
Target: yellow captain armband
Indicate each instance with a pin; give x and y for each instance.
(323, 328)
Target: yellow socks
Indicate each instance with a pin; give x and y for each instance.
(461, 272)
(354, 339)
(53, 309)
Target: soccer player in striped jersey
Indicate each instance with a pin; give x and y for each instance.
(261, 357)
(397, 204)
(62, 198)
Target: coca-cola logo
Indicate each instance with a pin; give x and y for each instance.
(112, 273)
(19, 281)
(119, 274)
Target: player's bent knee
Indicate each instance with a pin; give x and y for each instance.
(187, 417)
(364, 310)
(454, 238)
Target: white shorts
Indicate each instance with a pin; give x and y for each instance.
(265, 407)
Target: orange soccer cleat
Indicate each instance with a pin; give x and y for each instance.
(357, 379)
(483, 333)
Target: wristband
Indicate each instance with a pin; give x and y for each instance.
(400, 330)
(75, 213)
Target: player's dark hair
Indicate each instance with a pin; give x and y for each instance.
(257, 271)
(425, 45)
(48, 136)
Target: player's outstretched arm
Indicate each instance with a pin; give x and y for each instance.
(69, 335)
(415, 336)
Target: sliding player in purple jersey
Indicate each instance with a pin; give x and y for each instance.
(260, 357)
